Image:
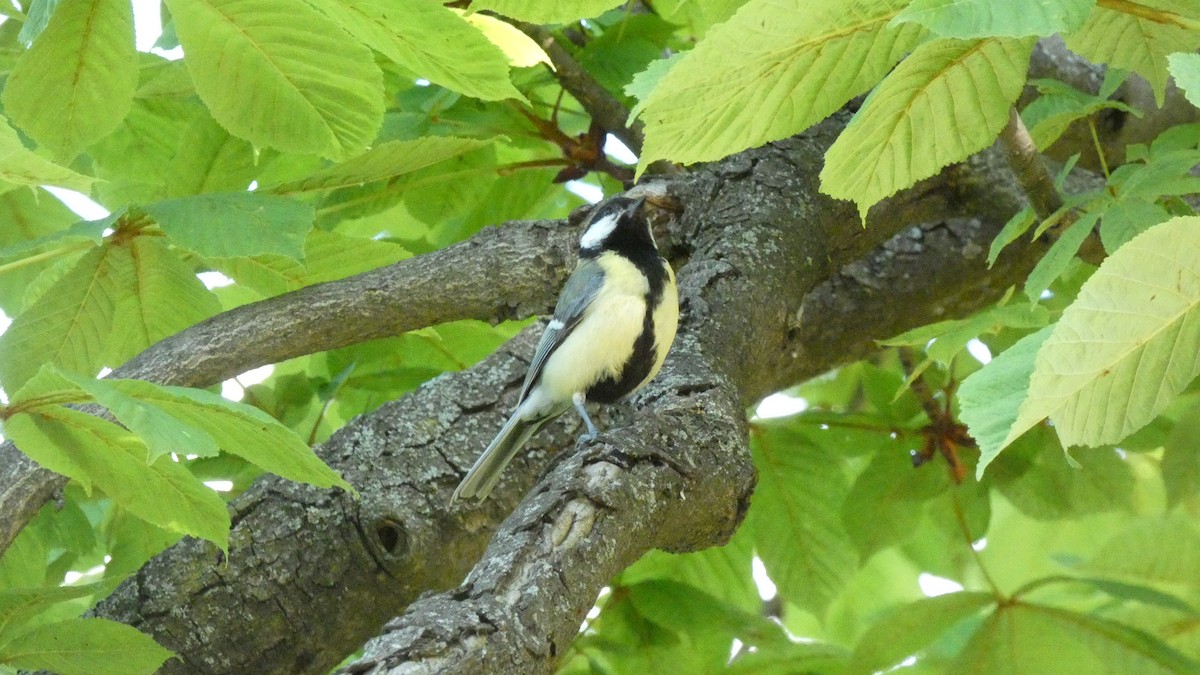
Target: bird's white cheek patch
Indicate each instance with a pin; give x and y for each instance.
(598, 231)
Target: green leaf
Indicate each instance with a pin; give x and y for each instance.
(991, 397)
(327, 256)
(886, 502)
(723, 571)
(234, 224)
(210, 160)
(167, 298)
(1022, 638)
(85, 647)
(384, 161)
(967, 19)
(162, 433)
(1058, 105)
(947, 100)
(776, 68)
(794, 518)
(19, 605)
(96, 452)
(1016, 226)
(1036, 477)
(520, 49)
(76, 82)
(909, 629)
(539, 11)
(1126, 218)
(1181, 458)
(21, 166)
(280, 74)
(1140, 39)
(949, 338)
(430, 40)
(69, 325)
(1056, 260)
(238, 429)
(694, 612)
(1185, 68)
(1162, 549)
(1128, 344)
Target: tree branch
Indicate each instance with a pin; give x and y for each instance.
(311, 574)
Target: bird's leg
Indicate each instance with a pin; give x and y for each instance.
(577, 399)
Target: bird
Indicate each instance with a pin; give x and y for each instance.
(613, 325)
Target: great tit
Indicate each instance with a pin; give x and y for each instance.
(613, 324)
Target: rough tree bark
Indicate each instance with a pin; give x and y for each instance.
(777, 284)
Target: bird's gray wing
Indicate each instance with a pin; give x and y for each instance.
(581, 288)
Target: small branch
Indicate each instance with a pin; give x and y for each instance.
(595, 99)
(1028, 167)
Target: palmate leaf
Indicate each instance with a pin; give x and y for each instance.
(795, 520)
(991, 397)
(540, 11)
(95, 452)
(327, 256)
(912, 628)
(768, 73)
(76, 82)
(70, 323)
(1128, 344)
(1140, 39)
(21, 166)
(282, 75)
(1023, 637)
(430, 40)
(84, 647)
(231, 224)
(967, 19)
(383, 161)
(948, 99)
(165, 297)
(1185, 68)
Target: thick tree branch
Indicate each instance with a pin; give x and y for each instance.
(311, 574)
(501, 273)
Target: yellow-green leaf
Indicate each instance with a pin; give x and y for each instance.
(968, 19)
(774, 69)
(947, 100)
(1127, 346)
(385, 160)
(86, 646)
(69, 325)
(430, 40)
(165, 298)
(541, 11)
(105, 455)
(280, 74)
(21, 166)
(1140, 39)
(76, 83)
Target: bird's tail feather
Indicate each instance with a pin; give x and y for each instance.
(482, 477)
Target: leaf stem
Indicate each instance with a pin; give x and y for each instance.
(966, 531)
(45, 255)
(1099, 150)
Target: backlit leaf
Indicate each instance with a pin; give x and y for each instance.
(85, 647)
(386, 160)
(1128, 344)
(539, 11)
(232, 224)
(280, 74)
(1139, 39)
(21, 166)
(421, 35)
(76, 82)
(774, 69)
(947, 100)
(966, 19)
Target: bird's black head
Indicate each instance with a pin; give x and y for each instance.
(617, 224)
